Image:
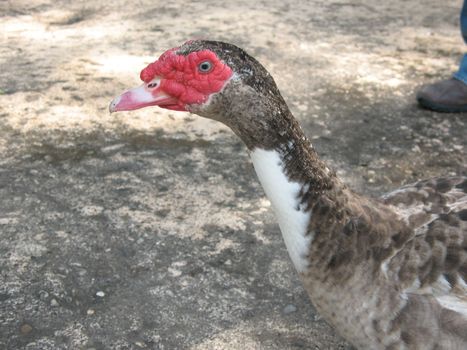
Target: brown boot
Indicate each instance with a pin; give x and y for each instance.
(444, 96)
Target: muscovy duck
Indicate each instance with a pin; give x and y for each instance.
(386, 273)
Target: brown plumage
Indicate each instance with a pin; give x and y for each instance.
(387, 273)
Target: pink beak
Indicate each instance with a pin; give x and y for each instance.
(141, 96)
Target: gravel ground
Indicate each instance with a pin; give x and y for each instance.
(149, 230)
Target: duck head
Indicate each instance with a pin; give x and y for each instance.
(213, 79)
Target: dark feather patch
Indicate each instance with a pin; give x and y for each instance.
(443, 185)
(463, 215)
(463, 186)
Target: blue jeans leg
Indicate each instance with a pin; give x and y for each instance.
(464, 21)
(461, 74)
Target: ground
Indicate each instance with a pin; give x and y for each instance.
(149, 230)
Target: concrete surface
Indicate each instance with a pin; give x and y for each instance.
(148, 230)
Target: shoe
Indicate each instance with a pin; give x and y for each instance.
(448, 96)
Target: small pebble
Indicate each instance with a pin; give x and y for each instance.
(112, 148)
(54, 303)
(6, 221)
(61, 234)
(317, 318)
(100, 294)
(91, 210)
(39, 237)
(43, 295)
(25, 329)
(90, 312)
(290, 309)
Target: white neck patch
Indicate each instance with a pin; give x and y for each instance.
(283, 194)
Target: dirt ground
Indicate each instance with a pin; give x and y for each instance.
(149, 230)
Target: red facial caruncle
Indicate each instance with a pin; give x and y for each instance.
(177, 81)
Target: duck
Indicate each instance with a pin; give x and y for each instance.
(385, 273)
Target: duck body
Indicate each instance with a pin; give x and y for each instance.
(387, 273)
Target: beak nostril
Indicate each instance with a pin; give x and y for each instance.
(152, 85)
(114, 103)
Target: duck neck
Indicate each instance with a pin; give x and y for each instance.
(297, 183)
(305, 194)
(295, 180)
(283, 137)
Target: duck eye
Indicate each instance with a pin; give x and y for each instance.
(205, 67)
